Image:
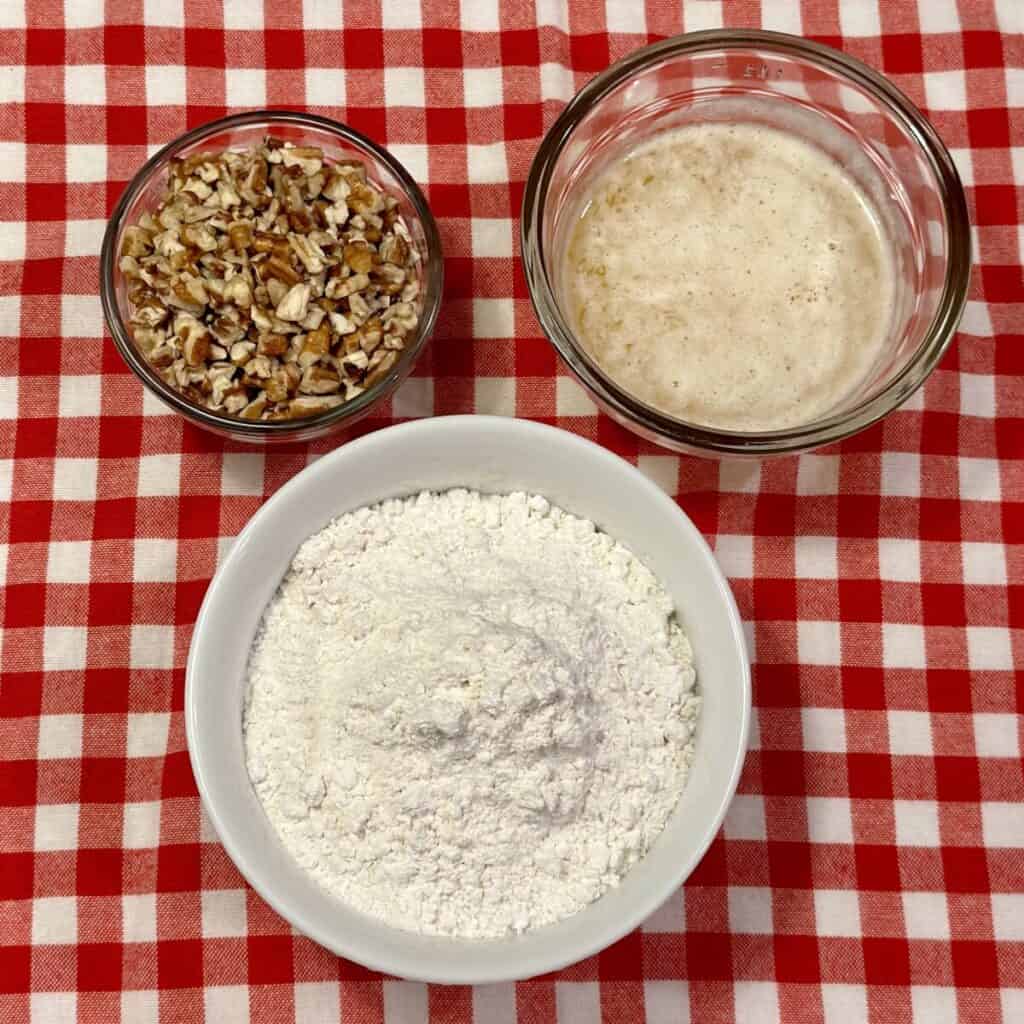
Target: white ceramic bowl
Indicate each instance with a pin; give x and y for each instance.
(489, 454)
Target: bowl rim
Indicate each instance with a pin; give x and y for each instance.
(686, 435)
(271, 429)
(204, 765)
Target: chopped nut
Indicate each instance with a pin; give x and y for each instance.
(317, 380)
(380, 365)
(293, 305)
(359, 257)
(269, 284)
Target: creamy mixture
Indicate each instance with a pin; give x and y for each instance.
(732, 276)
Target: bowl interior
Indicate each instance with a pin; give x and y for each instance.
(489, 454)
(239, 132)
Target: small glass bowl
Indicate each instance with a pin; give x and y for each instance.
(830, 100)
(239, 132)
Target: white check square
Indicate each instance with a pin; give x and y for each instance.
(85, 83)
(487, 163)
(322, 14)
(224, 913)
(53, 1007)
(159, 475)
(8, 403)
(910, 732)
(147, 734)
(818, 643)
(242, 473)
(68, 561)
(829, 819)
(60, 736)
(939, 16)
(1008, 916)
(495, 396)
(12, 240)
(79, 394)
(401, 14)
(480, 16)
(169, 13)
(901, 474)
(735, 554)
(945, 90)
(979, 480)
(837, 912)
(750, 909)
(745, 818)
(141, 824)
(816, 558)
(571, 399)
(81, 317)
(152, 647)
(64, 648)
(935, 1004)
(824, 729)
(56, 827)
(860, 19)
(414, 398)
(227, 1004)
(482, 87)
(665, 1002)
(899, 559)
(141, 1006)
(404, 87)
(1002, 824)
(317, 1002)
(325, 87)
(843, 1004)
(74, 479)
(917, 822)
(54, 920)
(926, 915)
(996, 735)
(989, 648)
(903, 645)
(493, 318)
(165, 85)
(83, 237)
(156, 560)
(492, 237)
(84, 14)
(85, 162)
(138, 917)
(757, 1001)
(245, 87)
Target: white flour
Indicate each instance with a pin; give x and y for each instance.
(468, 714)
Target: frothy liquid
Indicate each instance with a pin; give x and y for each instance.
(732, 276)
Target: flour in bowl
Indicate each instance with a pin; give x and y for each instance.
(468, 714)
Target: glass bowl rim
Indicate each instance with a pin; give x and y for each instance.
(271, 429)
(683, 433)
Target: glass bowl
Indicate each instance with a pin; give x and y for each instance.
(239, 132)
(835, 103)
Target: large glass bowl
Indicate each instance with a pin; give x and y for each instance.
(239, 132)
(818, 94)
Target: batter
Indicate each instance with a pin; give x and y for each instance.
(730, 275)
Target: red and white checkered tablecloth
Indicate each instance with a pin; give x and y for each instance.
(872, 865)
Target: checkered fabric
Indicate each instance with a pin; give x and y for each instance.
(872, 865)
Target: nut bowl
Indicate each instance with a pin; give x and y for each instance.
(495, 454)
(843, 109)
(238, 133)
